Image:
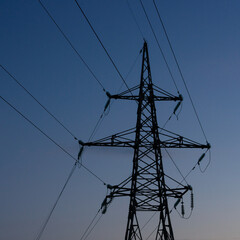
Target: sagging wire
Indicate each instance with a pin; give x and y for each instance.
(93, 227)
(96, 127)
(72, 46)
(179, 104)
(209, 161)
(105, 112)
(184, 179)
(198, 163)
(135, 19)
(201, 158)
(109, 102)
(180, 71)
(152, 233)
(56, 202)
(70, 174)
(175, 165)
(103, 209)
(102, 45)
(51, 139)
(38, 102)
(182, 214)
(77, 163)
(81, 143)
(86, 231)
(159, 46)
(148, 221)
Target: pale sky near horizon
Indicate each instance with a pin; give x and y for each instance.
(205, 36)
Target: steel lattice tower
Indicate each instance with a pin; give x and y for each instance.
(146, 187)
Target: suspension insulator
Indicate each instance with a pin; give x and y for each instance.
(192, 202)
(176, 203)
(104, 209)
(176, 108)
(104, 206)
(201, 158)
(107, 104)
(80, 153)
(183, 210)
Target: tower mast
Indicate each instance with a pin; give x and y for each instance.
(147, 187)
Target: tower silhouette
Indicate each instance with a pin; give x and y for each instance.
(147, 187)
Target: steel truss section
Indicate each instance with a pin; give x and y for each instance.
(147, 187)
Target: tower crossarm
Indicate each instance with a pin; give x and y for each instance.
(156, 98)
(132, 94)
(168, 140)
(121, 139)
(151, 200)
(121, 191)
(173, 140)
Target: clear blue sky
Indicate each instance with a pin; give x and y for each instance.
(205, 36)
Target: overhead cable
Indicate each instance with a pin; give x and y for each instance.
(56, 202)
(180, 71)
(99, 40)
(53, 141)
(72, 46)
(85, 232)
(198, 163)
(184, 179)
(36, 100)
(159, 46)
(93, 227)
(134, 18)
(103, 113)
(151, 233)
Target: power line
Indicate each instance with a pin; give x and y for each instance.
(69, 176)
(151, 233)
(84, 236)
(179, 69)
(184, 179)
(134, 18)
(53, 141)
(93, 227)
(162, 53)
(99, 40)
(76, 160)
(197, 163)
(56, 202)
(90, 225)
(203, 170)
(100, 120)
(36, 100)
(148, 221)
(86, 233)
(72, 46)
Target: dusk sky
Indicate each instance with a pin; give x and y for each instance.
(206, 38)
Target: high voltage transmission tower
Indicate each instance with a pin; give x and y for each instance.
(147, 187)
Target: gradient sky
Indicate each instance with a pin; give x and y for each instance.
(205, 36)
